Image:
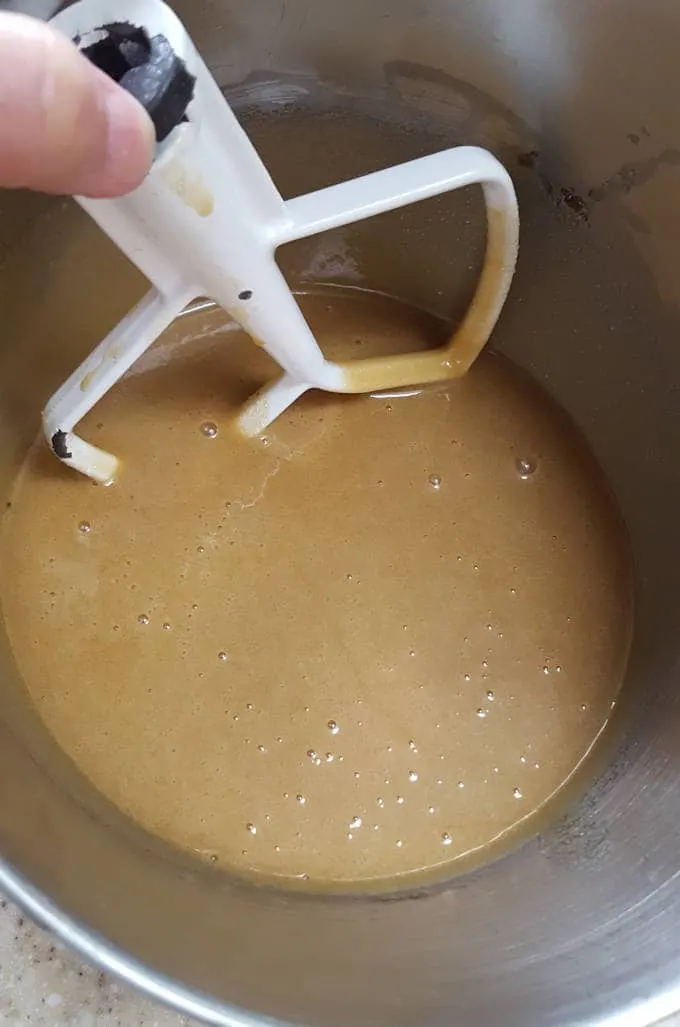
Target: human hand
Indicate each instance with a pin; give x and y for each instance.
(65, 126)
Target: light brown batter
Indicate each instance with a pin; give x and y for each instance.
(374, 642)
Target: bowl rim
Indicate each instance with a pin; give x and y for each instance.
(96, 950)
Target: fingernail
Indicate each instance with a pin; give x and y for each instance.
(131, 140)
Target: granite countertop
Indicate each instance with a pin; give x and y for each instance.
(44, 984)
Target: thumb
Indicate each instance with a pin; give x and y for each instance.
(65, 127)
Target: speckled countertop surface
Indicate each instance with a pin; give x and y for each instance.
(44, 984)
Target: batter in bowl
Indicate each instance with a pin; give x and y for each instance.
(374, 644)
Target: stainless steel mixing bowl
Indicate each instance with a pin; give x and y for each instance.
(582, 924)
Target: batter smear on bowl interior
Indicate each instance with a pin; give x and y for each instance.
(373, 643)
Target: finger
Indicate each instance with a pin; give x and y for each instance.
(65, 127)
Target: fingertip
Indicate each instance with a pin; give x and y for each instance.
(65, 127)
(130, 145)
